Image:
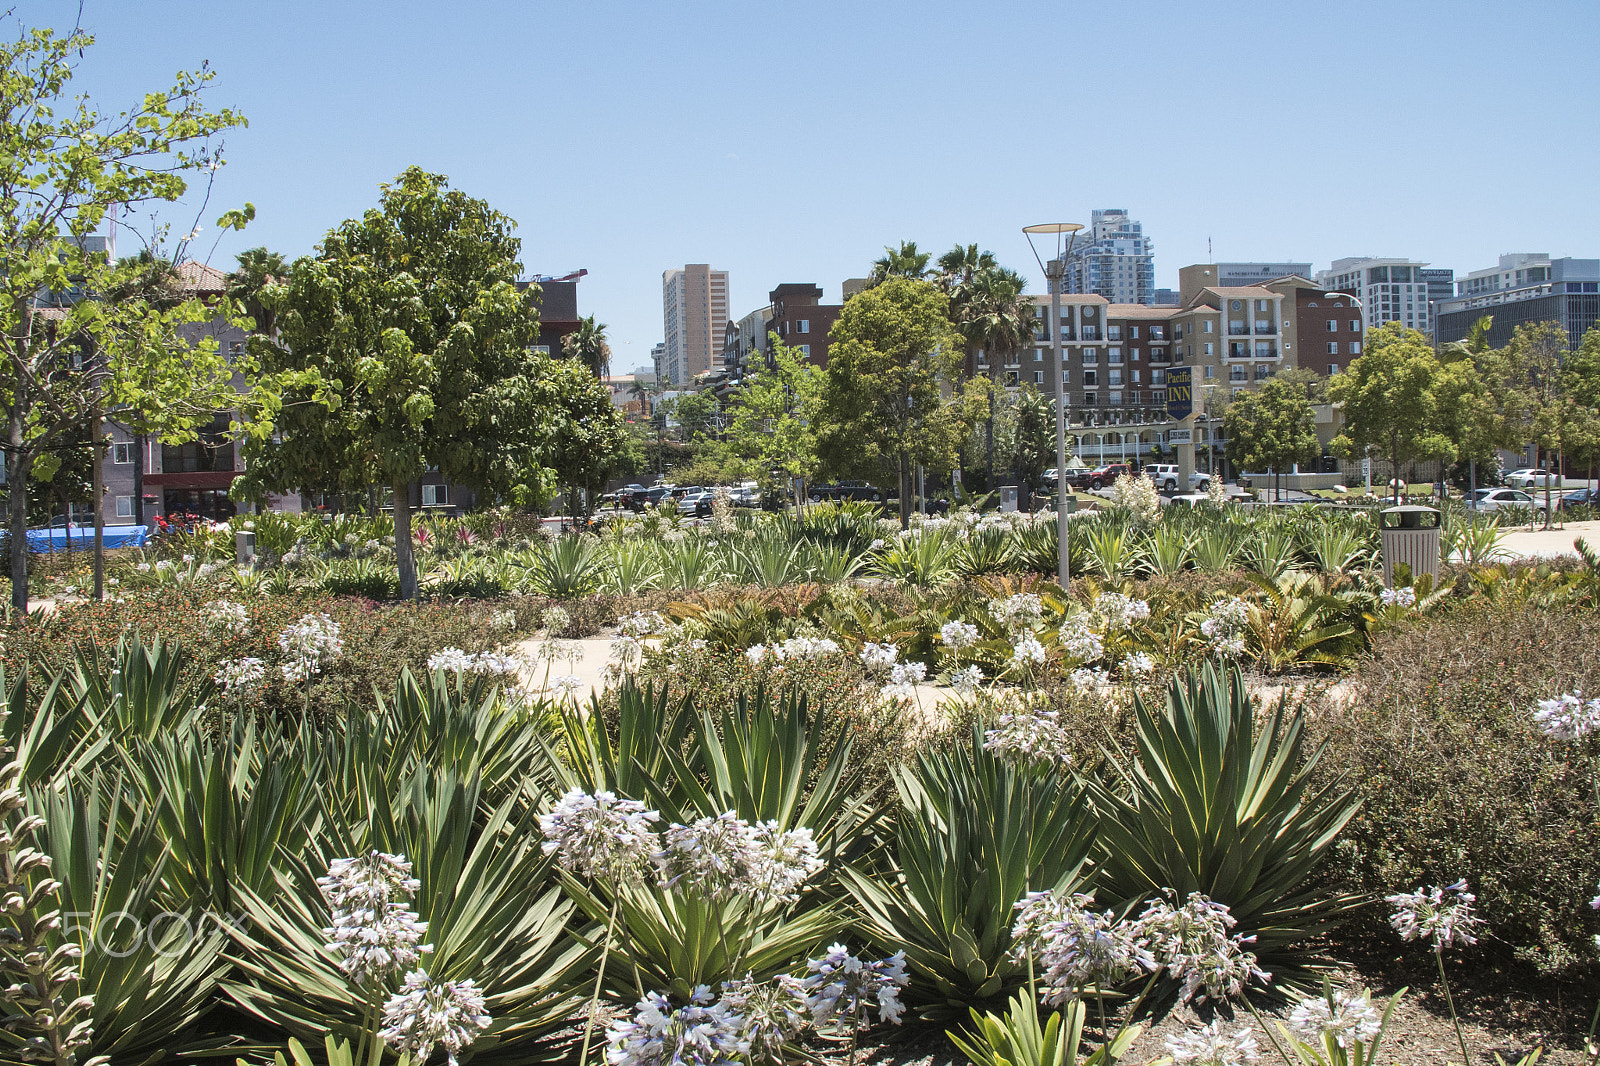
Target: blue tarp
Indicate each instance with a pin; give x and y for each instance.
(55, 540)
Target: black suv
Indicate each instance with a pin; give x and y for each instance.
(845, 490)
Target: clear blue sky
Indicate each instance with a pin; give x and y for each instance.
(791, 142)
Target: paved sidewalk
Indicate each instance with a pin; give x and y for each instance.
(1525, 543)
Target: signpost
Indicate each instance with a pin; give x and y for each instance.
(1180, 408)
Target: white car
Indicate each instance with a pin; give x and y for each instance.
(1165, 475)
(1499, 499)
(1532, 478)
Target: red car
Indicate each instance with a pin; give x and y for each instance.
(1100, 478)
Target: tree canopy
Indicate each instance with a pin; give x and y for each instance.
(411, 319)
(1271, 428)
(1389, 398)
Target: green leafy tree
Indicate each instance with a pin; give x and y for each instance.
(1469, 413)
(1535, 404)
(1271, 428)
(588, 345)
(411, 317)
(696, 414)
(771, 423)
(1034, 444)
(904, 262)
(66, 354)
(892, 397)
(1389, 402)
(1581, 380)
(590, 437)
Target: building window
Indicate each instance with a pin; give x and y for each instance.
(122, 454)
(1114, 398)
(1262, 370)
(1116, 376)
(1158, 376)
(1090, 377)
(1355, 325)
(805, 350)
(1090, 356)
(1135, 354)
(1333, 368)
(1136, 377)
(1355, 347)
(1133, 332)
(541, 349)
(124, 506)
(1115, 357)
(1208, 347)
(1038, 377)
(1333, 347)
(436, 495)
(235, 350)
(1210, 372)
(1333, 325)
(1208, 325)
(1261, 305)
(1038, 355)
(1088, 399)
(803, 326)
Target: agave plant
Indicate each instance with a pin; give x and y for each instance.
(1017, 1039)
(767, 561)
(633, 568)
(976, 834)
(1215, 549)
(1273, 553)
(1335, 549)
(571, 567)
(1113, 551)
(926, 558)
(984, 551)
(1167, 550)
(1209, 805)
(688, 564)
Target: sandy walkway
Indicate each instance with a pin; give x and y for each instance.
(1528, 544)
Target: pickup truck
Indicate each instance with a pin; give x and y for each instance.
(844, 490)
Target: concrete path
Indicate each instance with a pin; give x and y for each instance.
(1526, 543)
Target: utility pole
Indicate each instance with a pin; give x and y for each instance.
(1055, 274)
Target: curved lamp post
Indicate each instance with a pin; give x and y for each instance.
(1064, 233)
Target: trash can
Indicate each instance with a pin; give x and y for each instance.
(1008, 497)
(244, 548)
(1409, 535)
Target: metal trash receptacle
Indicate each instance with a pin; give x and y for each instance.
(1409, 535)
(1008, 497)
(244, 548)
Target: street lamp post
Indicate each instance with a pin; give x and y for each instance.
(1055, 274)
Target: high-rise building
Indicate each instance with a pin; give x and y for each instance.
(743, 341)
(1112, 258)
(1390, 290)
(694, 313)
(658, 358)
(1525, 287)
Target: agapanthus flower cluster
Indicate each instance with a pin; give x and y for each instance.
(879, 658)
(503, 621)
(770, 1013)
(556, 620)
(225, 618)
(1195, 944)
(1349, 1019)
(372, 929)
(1018, 614)
(642, 624)
(966, 680)
(426, 1014)
(1568, 717)
(903, 681)
(1079, 641)
(958, 634)
(800, 647)
(1029, 736)
(1212, 1045)
(599, 835)
(1084, 679)
(840, 987)
(1401, 597)
(308, 645)
(1222, 624)
(1138, 664)
(788, 859)
(1118, 611)
(240, 678)
(715, 855)
(1028, 652)
(567, 685)
(1443, 915)
(703, 1033)
(1077, 946)
(486, 663)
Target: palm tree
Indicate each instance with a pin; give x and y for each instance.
(959, 266)
(907, 262)
(258, 268)
(995, 314)
(640, 390)
(588, 345)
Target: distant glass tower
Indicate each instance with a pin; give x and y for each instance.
(1113, 258)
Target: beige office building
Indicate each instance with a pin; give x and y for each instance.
(694, 313)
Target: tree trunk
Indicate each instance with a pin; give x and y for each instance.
(403, 552)
(17, 480)
(905, 494)
(97, 490)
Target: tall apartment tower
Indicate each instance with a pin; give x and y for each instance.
(694, 313)
(1390, 290)
(1113, 258)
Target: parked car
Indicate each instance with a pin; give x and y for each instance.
(1501, 498)
(1580, 497)
(744, 496)
(651, 497)
(845, 490)
(697, 503)
(624, 495)
(1532, 478)
(1102, 476)
(1200, 481)
(1165, 475)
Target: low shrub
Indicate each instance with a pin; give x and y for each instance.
(1456, 781)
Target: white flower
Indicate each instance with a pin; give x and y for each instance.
(500, 621)
(1350, 1019)
(1401, 597)
(1019, 613)
(716, 855)
(1222, 624)
(1195, 945)
(598, 835)
(1080, 641)
(771, 1013)
(755, 653)
(1138, 664)
(841, 987)
(1568, 716)
(966, 680)
(700, 1034)
(372, 928)
(142, 567)
(1029, 736)
(568, 685)
(1211, 1045)
(308, 644)
(1028, 651)
(879, 658)
(556, 620)
(958, 634)
(1084, 679)
(240, 678)
(450, 660)
(642, 624)
(1443, 915)
(1077, 946)
(425, 1013)
(907, 673)
(1119, 611)
(788, 860)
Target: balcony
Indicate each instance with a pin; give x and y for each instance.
(1091, 333)
(1265, 329)
(1265, 351)
(1238, 351)
(1238, 331)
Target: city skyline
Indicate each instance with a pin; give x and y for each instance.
(559, 119)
